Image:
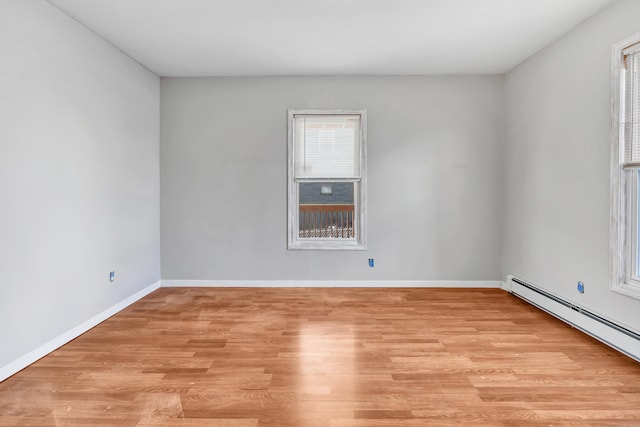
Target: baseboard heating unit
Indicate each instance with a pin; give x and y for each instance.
(616, 336)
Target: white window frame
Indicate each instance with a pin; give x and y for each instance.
(360, 199)
(624, 188)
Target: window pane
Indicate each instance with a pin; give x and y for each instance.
(326, 210)
(326, 193)
(631, 107)
(327, 146)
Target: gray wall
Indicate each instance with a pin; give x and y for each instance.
(557, 154)
(79, 176)
(434, 178)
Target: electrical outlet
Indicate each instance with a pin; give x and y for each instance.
(580, 287)
(112, 276)
(371, 262)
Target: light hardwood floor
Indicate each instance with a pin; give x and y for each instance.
(327, 358)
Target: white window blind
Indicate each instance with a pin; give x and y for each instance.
(631, 105)
(327, 146)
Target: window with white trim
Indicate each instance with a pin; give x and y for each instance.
(625, 170)
(327, 179)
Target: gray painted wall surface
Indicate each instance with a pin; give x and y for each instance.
(557, 154)
(79, 176)
(433, 167)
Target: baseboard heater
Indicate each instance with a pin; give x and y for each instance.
(616, 336)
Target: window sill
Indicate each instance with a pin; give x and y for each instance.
(327, 245)
(631, 289)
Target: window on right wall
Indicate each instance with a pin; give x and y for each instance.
(625, 168)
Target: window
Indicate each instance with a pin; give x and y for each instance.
(327, 179)
(625, 171)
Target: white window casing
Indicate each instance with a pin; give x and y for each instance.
(625, 167)
(326, 150)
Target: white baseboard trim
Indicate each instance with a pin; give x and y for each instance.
(333, 283)
(26, 360)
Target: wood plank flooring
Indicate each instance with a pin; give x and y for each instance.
(327, 358)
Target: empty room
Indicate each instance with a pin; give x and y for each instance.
(337, 213)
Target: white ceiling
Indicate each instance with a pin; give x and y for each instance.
(328, 37)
